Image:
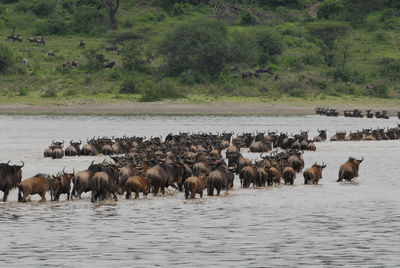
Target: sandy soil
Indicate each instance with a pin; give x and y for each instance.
(165, 108)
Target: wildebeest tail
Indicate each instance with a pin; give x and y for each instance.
(19, 193)
(187, 187)
(210, 186)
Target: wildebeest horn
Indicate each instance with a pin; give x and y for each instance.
(23, 164)
(52, 142)
(70, 142)
(63, 171)
(8, 162)
(362, 159)
(80, 142)
(73, 171)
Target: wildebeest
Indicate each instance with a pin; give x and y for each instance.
(289, 175)
(163, 175)
(137, 184)
(220, 178)
(313, 174)
(195, 185)
(74, 63)
(82, 44)
(349, 170)
(73, 149)
(261, 176)
(321, 136)
(81, 179)
(38, 184)
(104, 183)
(61, 184)
(109, 65)
(24, 61)
(247, 176)
(51, 53)
(10, 177)
(112, 47)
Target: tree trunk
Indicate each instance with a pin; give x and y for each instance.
(112, 11)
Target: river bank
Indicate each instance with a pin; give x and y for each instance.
(195, 105)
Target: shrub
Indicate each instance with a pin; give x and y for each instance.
(199, 46)
(330, 9)
(243, 49)
(129, 86)
(163, 90)
(6, 57)
(269, 43)
(88, 19)
(390, 68)
(132, 55)
(49, 93)
(42, 8)
(248, 18)
(95, 60)
(56, 26)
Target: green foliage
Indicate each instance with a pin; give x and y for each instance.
(328, 33)
(181, 9)
(199, 46)
(6, 57)
(290, 3)
(95, 60)
(248, 18)
(390, 68)
(52, 26)
(49, 93)
(160, 91)
(244, 49)
(330, 9)
(129, 86)
(269, 43)
(42, 8)
(132, 55)
(88, 19)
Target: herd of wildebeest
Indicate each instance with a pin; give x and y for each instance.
(354, 113)
(187, 162)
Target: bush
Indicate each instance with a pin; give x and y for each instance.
(248, 18)
(129, 86)
(56, 26)
(269, 44)
(49, 93)
(42, 8)
(199, 46)
(132, 55)
(95, 60)
(243, 49)
(330, 9)
(88, 19)
(163, 90)
(390, 68)
(6, 57)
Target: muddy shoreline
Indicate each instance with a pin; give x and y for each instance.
(165, 108)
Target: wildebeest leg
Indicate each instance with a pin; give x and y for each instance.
(24, 198)
(6, 192)
(218, 190)
(57, 197)
(68, 195)
(128, 193)
(156, 189)
(305, 181)
(340, 179)
(136, 194)
(192, 194)
(201, 194)
(115, 195)
(163, 190)
(43, 195)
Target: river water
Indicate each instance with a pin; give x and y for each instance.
(329, 224)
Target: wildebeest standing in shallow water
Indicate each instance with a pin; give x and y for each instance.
(313, 174)
(195, 185)
(10, 177)
(349, 170)
(220, 178)
(38, 184)
(61, 184)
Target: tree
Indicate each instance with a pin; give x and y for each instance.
(6, 57)
(111, 7)
(328, 33)
(329, 9)
(198, 47)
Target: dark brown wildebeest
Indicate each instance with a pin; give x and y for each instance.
(109, 65)
(66, 64)
(10, 177)
(274, 176)
(73, 149)
(261, 176)
(261, 146)
(40, 41)
(61, 184)
(296, 161)
(81, 179)
(137, 184)
(163, 175)
(103, 183)
(220, 178)
(321, 136)
(195, 185)
(289, 175)
(339, 136)
(311, 146)
(112, 47)
(82, 44)
(51, 53)
(349, 170)
(247, 176)
(38, 184)
(32, 40)
(74, 63)
(313, 174)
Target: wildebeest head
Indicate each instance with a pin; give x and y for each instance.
(356, 162)
(55, 186)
